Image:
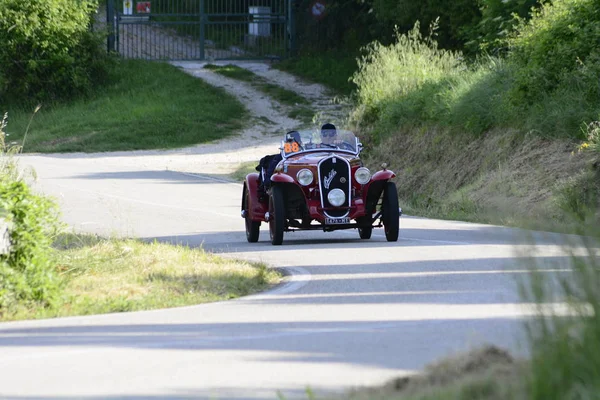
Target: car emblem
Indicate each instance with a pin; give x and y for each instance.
(329, 178)
(342, 180)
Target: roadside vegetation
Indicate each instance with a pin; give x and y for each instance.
(47, 272)
(86, 100)
(146, 106)
(299, 107)
(99, 275)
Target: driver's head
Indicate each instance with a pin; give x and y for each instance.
(328, 133)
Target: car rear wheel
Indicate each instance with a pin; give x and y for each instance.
(391, 213)
(276, 215)
(252, 227)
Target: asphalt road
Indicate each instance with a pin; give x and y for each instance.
(352, 313)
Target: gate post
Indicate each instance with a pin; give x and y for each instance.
(110, 24)
(202, 25)
(291, 43)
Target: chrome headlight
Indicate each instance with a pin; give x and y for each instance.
(305, 177)
(362, 175)
(336, 197)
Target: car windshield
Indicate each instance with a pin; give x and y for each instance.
(319, 140)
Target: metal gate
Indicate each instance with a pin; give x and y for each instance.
(200, 29)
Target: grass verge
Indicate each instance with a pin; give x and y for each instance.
(109, 275)
(244, 169)
(487, 373)
(299, 106)
(333, 69)
(150, 105)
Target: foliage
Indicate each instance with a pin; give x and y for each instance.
(346, 25)
(48, 50)
(103, 275)
(452, 16)
(592, 133)
(149, 105)
(557, 48)
(26, 272)
(332, 68)
(388, 74)
(565, 342)
(497, 22)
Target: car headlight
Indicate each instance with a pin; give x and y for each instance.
(305, 177)
(336, 197)
(362, 175)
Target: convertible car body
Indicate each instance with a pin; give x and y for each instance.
(320, 185)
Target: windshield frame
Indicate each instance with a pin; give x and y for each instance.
(311, 137)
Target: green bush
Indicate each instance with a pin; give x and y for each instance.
(557, 48)
(48, 50)
(497, 22)
(27, 274)
(452, 16)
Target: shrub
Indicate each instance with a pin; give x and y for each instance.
(557, 47)
(413, 67)
(26, 272)
(48, 49)
(497, 22)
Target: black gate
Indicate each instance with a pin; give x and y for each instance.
(200, 29)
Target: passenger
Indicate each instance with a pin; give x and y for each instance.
(294, 136)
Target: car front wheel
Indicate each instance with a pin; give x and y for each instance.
(391, 213)
(276, 215)
(365, 227)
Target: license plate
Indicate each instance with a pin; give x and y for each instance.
(334, 221)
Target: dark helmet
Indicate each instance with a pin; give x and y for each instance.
(328, 130)
(327, 126)
(293, 136)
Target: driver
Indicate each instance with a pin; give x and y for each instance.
(329, 135)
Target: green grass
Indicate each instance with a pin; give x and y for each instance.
(110, 275)
(332, 69)
(150, 105)
(243, 170)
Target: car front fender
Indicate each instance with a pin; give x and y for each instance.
(280, 177)
(256, 209)
(383, 175)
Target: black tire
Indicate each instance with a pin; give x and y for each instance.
(391, 213)
(252, 227)
(276, 215)
(365, 232)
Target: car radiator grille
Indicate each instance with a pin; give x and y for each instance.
(334, 173)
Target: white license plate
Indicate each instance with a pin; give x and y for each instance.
(334, 221)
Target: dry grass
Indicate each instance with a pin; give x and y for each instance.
(486, 373)
(102, 276)
(498, 178)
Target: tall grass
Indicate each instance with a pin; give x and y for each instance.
(413, 83)
(565, 361)
(390, 72)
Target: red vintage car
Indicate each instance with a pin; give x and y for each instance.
(320, 183)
